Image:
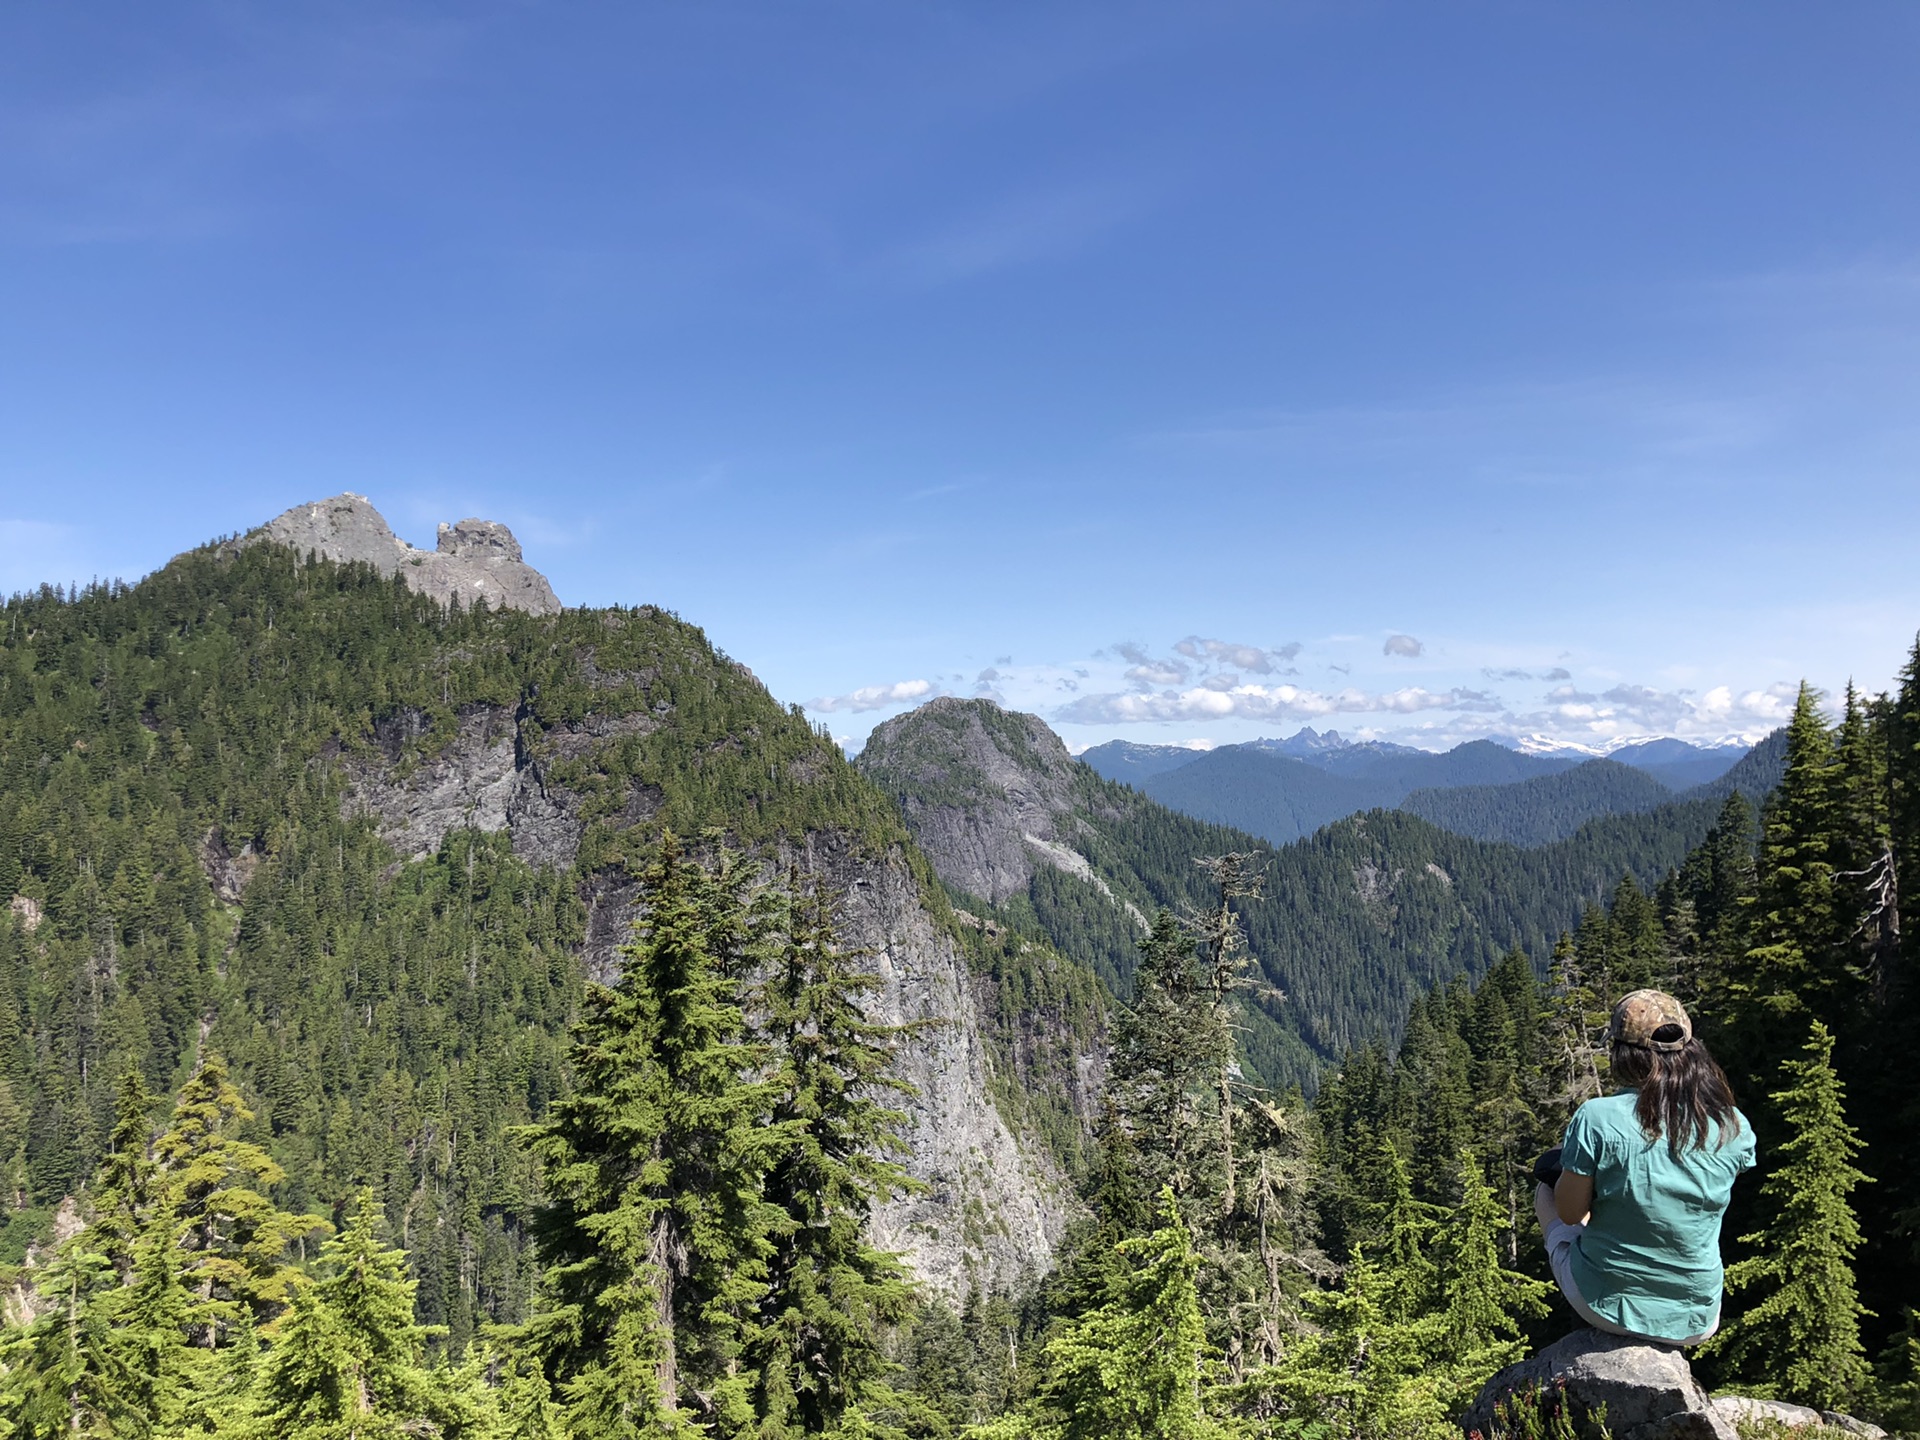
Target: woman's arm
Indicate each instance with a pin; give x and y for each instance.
(1573, 1197)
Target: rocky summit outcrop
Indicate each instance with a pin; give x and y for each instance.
(474, 559)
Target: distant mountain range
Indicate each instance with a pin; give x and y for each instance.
(1284, 790)
(1367, 912)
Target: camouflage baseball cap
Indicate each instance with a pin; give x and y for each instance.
(1651, 1020)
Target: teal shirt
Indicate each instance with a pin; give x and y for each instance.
(1649, 1259)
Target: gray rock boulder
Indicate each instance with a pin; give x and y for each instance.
(474, 559)
(1794, 1417)
(1648, 1391)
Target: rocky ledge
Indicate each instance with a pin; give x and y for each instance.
(474, 559)
(1647, 1392)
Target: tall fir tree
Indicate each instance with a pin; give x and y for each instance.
(1402, 1237)
(1793, 966)
(348, 1364)
(657, 1232)
(1360, 1373)
(1481, 1301)
(233, 1240)
(1136, 1367)
(1165, 1049)
(1903, 800)
(818, 1343)
(1796, 1333)
(124, 1191)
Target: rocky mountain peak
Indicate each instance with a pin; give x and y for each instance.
(987, 792)
(478, 540)
(474, 559)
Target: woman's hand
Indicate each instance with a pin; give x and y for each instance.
(1573, 1197)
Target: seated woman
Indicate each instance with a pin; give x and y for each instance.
(1633, 1222)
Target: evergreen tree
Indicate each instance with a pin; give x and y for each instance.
(657, 1234)
(831, 1299)
(348, 1363)
(1360, 1373)
(1798, 1333)
(1481, 1301)
(123, 1192)
(1717, 883)
(1135, 1368)
(1868, 880)
(1166, 1045)
(66, 1376)
(232, 1238)
(1576, 1018)
(1225, 962)
(1402, 1237)
(1903, 802)
(1793, 967)
(150, 1315)
(526, 1404)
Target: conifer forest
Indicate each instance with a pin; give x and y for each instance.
(309, 1133)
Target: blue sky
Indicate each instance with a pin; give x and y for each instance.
(1179, 372)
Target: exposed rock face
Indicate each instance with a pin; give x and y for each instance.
(995, 1208)
(487, 777)
(228, 873)
(1648, 1390)
(475, 559)
(988, 793)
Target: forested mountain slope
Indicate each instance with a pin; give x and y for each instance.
(1677, 764)
(1359, 918)
(1131, 763)
(1281, 798)
(1541, 810)
(370, 847)
(1754, 775)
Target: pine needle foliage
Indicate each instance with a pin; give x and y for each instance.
(1798, 1332)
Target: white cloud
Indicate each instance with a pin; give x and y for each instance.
(874, 697)
(1242, 657)
(1146, 671)
(1403, 645)
(1266, 702)
(1158, 673)
(1634, 710)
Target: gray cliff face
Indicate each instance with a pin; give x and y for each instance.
(493, 776)
(988, 793)
(475, 559)
(995, 1204)
(995, 1207)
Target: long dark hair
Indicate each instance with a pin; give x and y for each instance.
(1684, 1094)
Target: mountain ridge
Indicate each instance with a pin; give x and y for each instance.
(369, 843)
(1361, 916)
(1284, 791)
